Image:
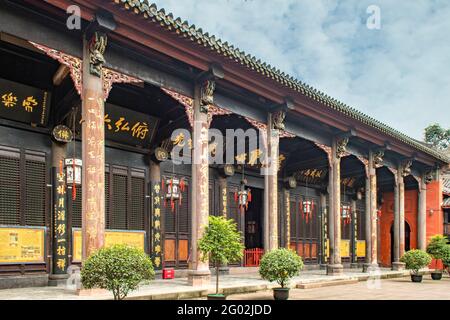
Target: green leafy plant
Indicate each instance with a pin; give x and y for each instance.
(437, 245)
(445, 257)
(221, 243)
(280, 265)
(415, 260)
(118, 268)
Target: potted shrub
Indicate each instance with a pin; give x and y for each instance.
(221, 243)
(280, 265)
(435, 249)
(119, 269)
(446, 257)
(415, 260)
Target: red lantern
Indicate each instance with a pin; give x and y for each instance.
(346, 214)
(307, 209)
(173, 191)
(243, 197)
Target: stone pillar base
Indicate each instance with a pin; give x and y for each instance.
(57, 280)
(335, 269)
(354, 265)
(398, 266)
(370, 267)
(199, 278)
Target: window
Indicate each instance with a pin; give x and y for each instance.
(125, 190)
(23, 194)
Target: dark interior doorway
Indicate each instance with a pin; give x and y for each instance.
(254, 228)
(407, 239)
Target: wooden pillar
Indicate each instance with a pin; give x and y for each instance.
(422, 215)
(60, 232)
(396, 227)
(273, 141)
(324, 228)
(200, 274)
(287, 217)
(373, 212)
(338, 149)
(93, 146)
(354, 241)
(399, 223)
(368, 223)
(375, 161)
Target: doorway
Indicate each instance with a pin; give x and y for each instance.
(254, 228)
(407, 239)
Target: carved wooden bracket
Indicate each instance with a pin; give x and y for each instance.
(75, 66)
(341, 147)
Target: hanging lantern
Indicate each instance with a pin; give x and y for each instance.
(243, 197)
(307, 209)
(73, 174)
(346, 211)
(174, 186)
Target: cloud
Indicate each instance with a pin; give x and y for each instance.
(399, 74)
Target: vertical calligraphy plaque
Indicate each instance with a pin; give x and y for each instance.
(156, 225)
(60, 232)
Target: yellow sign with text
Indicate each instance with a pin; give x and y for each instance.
(345, 248)
(361, 248)
(133, 239)
(22, 245)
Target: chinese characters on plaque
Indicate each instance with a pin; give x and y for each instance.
(130, 127)
(23, 103)
(60, 236)
(156, 225)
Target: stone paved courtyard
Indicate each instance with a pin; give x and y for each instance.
(399, 288)
(389, 289)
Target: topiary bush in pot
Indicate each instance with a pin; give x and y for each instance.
(446, 258)
(119, 269)
(415, 260)
(435, 248)
(221, 243)
(280, 265)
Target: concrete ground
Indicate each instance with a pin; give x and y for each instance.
(248, 282)
(388, 289)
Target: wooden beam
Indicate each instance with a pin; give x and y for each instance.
(60, 74)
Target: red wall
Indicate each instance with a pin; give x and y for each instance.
(434, 220)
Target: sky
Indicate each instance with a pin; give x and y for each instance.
(398, 73)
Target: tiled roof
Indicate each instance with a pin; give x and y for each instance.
(196, 35)
(446, 183)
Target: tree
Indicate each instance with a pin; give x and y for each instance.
(437, 136)
(119, 269)
(222, 242)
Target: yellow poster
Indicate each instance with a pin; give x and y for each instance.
(22, 245)
(345, 248)
(133, 239)
(361, 248)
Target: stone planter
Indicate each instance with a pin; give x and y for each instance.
(281, 293)
(416, 278)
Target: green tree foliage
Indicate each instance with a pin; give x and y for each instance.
(118, 268)
(437, 245)
(280, 265)
(415, 260)
(446, 256)
(437, 136)
(221, 243)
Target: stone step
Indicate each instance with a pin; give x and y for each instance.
(320, 284)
